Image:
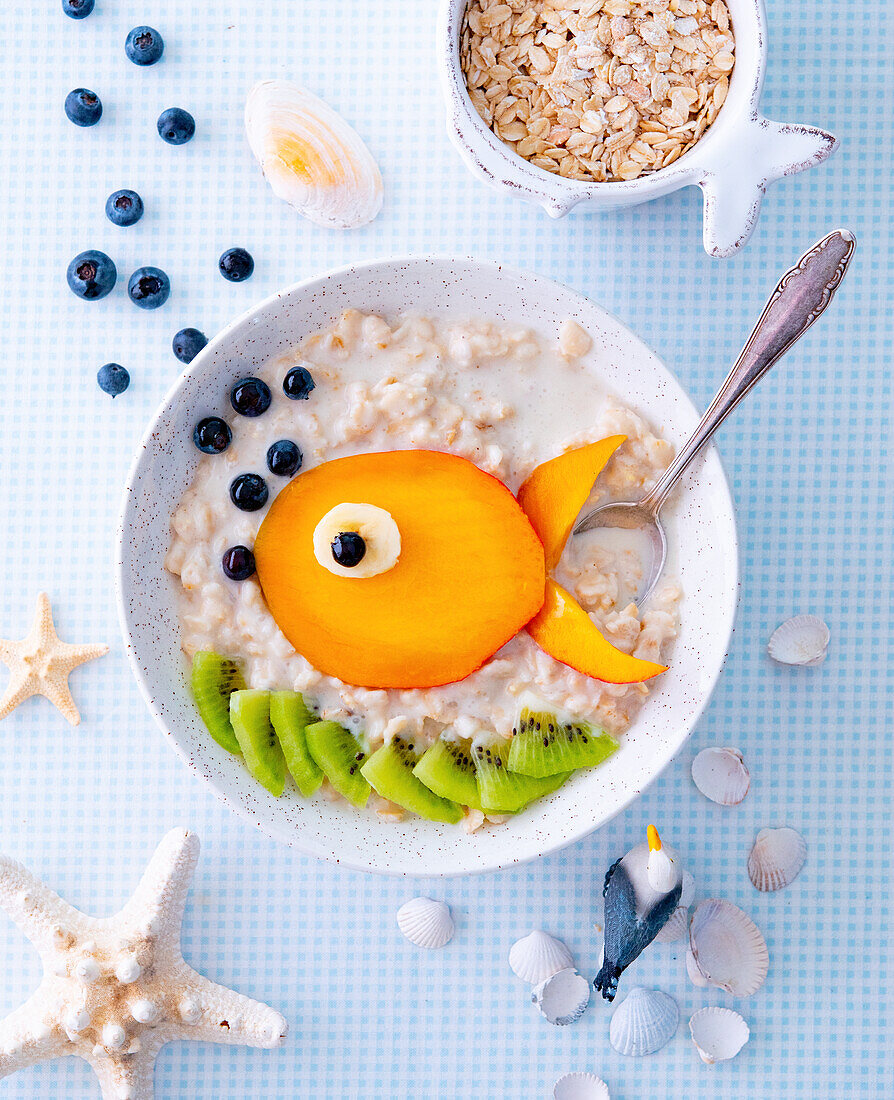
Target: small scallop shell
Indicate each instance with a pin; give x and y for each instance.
(721, 775)
(562, 997)
(645, 1021)
(677, 927)
(803, 640)
(718, 1033)
(776, 858)
(580, 1086)
(538, 956)
(727, 947)
(311, 157)
(425, 923)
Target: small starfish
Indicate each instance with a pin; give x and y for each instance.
(41, 663)
(116, 989)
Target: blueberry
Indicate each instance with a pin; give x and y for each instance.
(284, 458)
(144, 46)
(212, 435)
(248, 492)
(92, 275)
(348, 549)
(236, 265)
(188, 343)
(83, 107)
(298, 383)
(250, 397)
(77, 9)
(124, 207)
(238, 563)
(113, 379)
(149, 287)
(176, 126)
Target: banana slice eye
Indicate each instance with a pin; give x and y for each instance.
(357, 540)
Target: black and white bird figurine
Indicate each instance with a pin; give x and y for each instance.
(642, 889)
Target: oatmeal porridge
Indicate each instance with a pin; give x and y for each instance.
(506, 401)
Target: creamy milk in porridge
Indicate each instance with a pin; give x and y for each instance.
(503, 397)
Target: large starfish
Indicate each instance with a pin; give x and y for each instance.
(116, 989)
(41, 663)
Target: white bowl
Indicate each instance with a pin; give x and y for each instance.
(737, 158)
(702, 526)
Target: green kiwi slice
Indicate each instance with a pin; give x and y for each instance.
(214, 679)
(290, 717)
(545, 743)
(340, 756)
(250, 715)
(502, 790)
(447, 768)
(390, 772)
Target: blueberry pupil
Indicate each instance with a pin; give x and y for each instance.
(348, 549)
(87, 271)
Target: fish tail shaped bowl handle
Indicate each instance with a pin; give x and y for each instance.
(739, 171)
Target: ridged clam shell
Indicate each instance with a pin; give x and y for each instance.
(776, 858)
(803, 640)
(426, 923)
(718, 1033)
(311, 157)
(563, 997)
(645, 1021)
(538, 956)
(721, 775)
(580, 1086)
(677, 927)
(727, 947)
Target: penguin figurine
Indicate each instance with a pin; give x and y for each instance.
(642, 889)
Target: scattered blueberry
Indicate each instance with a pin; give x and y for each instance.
(124, 207)
(176, 126)
(212, 435)
(113, 379)
(77, 9)
(238, 563)
(188, 343)
(284, 458)
(83, 107)
(250, 397)
(92, 275)
(144, 46)
(248, 492)
(298, 383)
(348, 549)
(236, 265)
(149, 287)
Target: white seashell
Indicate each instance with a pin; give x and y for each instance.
(562, 997)
(143, 1011)
(718, 1033)
(645, 1021)
(76, 1020)
(721, 775)
(114, 1036)
(538, 956)
(580, 1086)
(426, 923)
(190, 1011)
(687, 891)
(803, 640)
(776, 858)
(727, 948)
(677, 927)
(311, 157)
(87, 971)
(128, 970)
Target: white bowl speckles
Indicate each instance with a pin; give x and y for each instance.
(701, 526)
(733, 163)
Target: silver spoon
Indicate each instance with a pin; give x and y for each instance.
(800, 297)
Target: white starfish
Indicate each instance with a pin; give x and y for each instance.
(116, 989)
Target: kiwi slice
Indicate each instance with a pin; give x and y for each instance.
(504, 791)
(390, 772)
(214, 679)
(340, 755)
(545, 743)
(447, 768)
(250, 715)
(290, 717)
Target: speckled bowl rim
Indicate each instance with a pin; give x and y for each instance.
(414, 864)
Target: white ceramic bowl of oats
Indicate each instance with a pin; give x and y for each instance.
(503, 370)
(609, 103)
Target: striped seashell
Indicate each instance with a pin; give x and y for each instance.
(426, 923)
